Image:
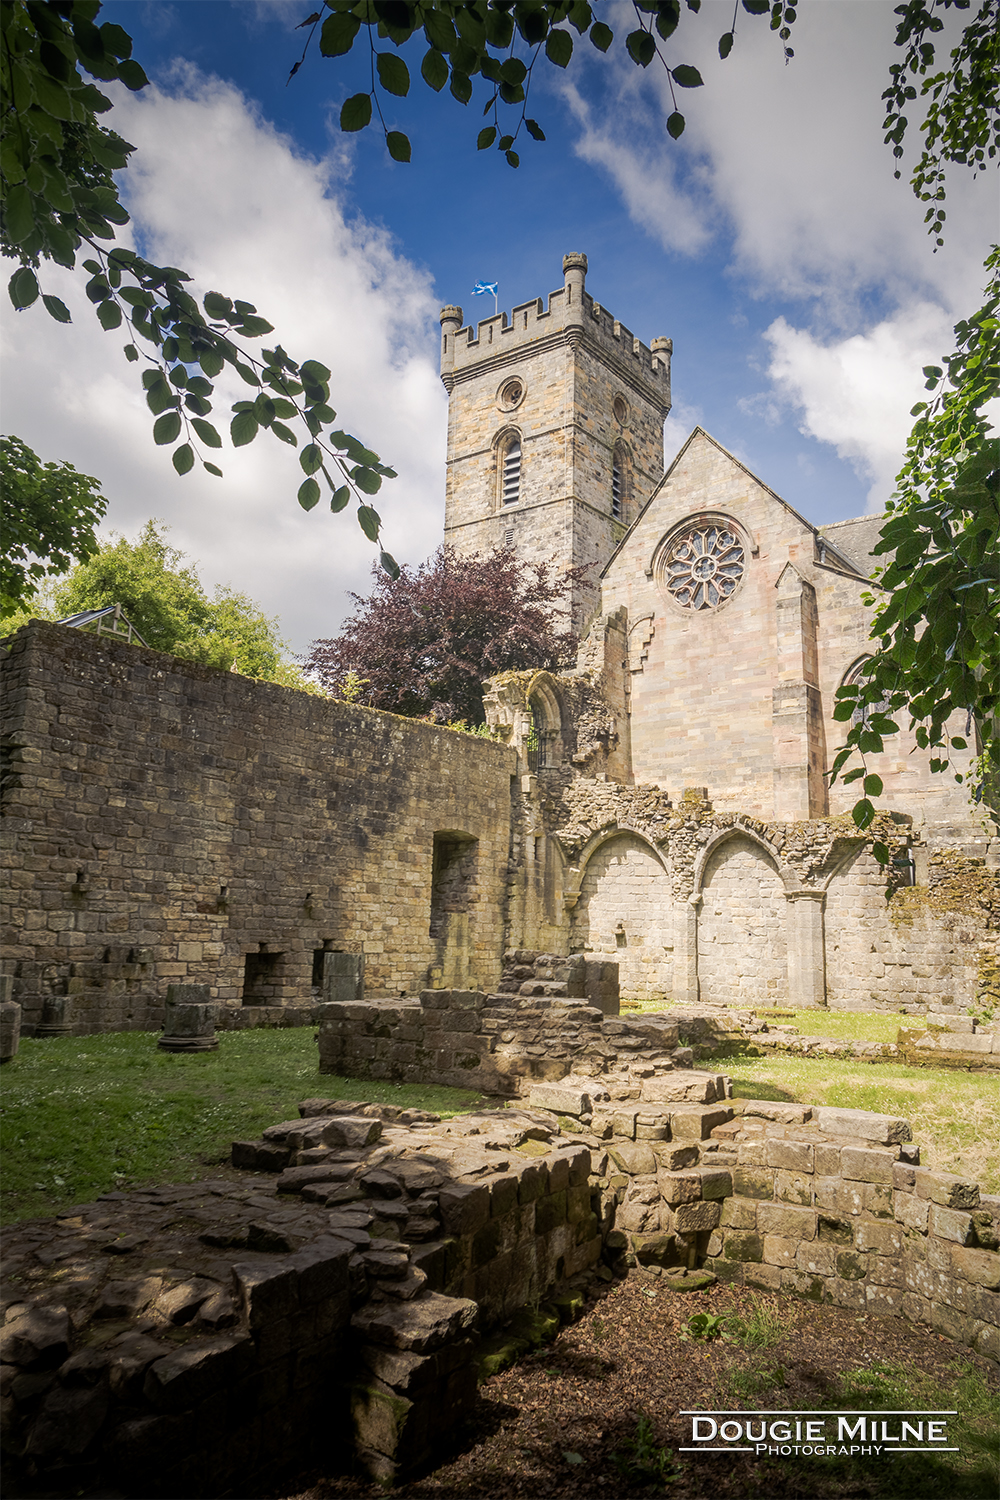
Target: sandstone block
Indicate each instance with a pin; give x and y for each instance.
(884, 1239)
(981, 1267)
(792, 1155)
(780, 1251)
(421, 1326)
(716, 1182)
(696, 1124)
(693, 1218)
(797, 1223)
(951, 1224)
(753, 1184)
(679, 1187)
(794, 1187)
(739, 1213)
(636, 1159)
(862, 1124)
(945, 1189)
(866, 1165)
(685, 1086)
(465, 1207)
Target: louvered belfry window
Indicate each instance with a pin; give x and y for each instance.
(617, 488)
(512, 472)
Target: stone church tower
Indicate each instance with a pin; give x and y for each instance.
(555, 431)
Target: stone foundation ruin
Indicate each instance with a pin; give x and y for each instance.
(333, 1302)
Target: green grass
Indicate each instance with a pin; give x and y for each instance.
(847, 1025)
(83, 1115)
(955, 1115)
(762, 1325)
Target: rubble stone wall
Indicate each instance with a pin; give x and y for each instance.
(164, 821)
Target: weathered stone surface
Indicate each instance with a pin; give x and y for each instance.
(420, 1326)
(36, 1339)
(862, 1124)
(945, 1189)
(682, 1087)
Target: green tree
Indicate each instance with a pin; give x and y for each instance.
(48, 514)
(162, 596)
(937, 622)
(59, 199)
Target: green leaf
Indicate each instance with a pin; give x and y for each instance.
(881, 852)
(369, 520)
(22, 287)
(308, 494)
(486, 137)
(535, 130)
(863, 813)
(461, 87)
(254, 328)
(211, 362)
(183, 458)
(56, 309)
(687, 77)
(132, 75)
(131, 353)
(602, 36)
(513, 71)
(109, 315)
(356, 112)
(513, 160)
(559, 48)
(311, 458)
(243, 428)
(166, 429)
(367, 480)
(19, 219)
(339, 498)
(439, 31)
(285, 434)
(206, 432)
(434, 70)
(398, 144)
(212, 469)
(337, 34)
(393, 74)
(726, 44)
(389, 563)
(640, 47)
(675, 125)
(873, 786)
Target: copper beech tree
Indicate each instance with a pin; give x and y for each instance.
(421, 644)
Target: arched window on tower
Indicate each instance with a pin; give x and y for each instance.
(510, 478)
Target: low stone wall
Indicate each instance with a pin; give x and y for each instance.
(829, 1204)
(498, 1043)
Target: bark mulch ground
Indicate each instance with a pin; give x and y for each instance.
(596, 1415)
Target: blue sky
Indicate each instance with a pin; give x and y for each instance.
(772, 244)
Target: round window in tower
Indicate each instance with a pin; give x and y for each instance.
(704, 566)
(620, 409)
(511, 394)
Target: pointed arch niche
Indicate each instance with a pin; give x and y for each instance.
(624, 910)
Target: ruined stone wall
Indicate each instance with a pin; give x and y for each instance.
(698, 904)
(165, 821)
(323, 1303)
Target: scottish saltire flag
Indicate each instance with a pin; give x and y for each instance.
(481, 288)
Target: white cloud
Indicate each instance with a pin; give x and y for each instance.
(217, 190)
(783, 168)
(856, 393)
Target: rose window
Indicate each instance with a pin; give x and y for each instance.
(704, 567)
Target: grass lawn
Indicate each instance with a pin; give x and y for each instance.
(83, 1115)
(852, 1025)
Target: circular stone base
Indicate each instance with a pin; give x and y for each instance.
(188, 1043)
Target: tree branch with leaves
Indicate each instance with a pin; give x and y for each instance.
(59, 200)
